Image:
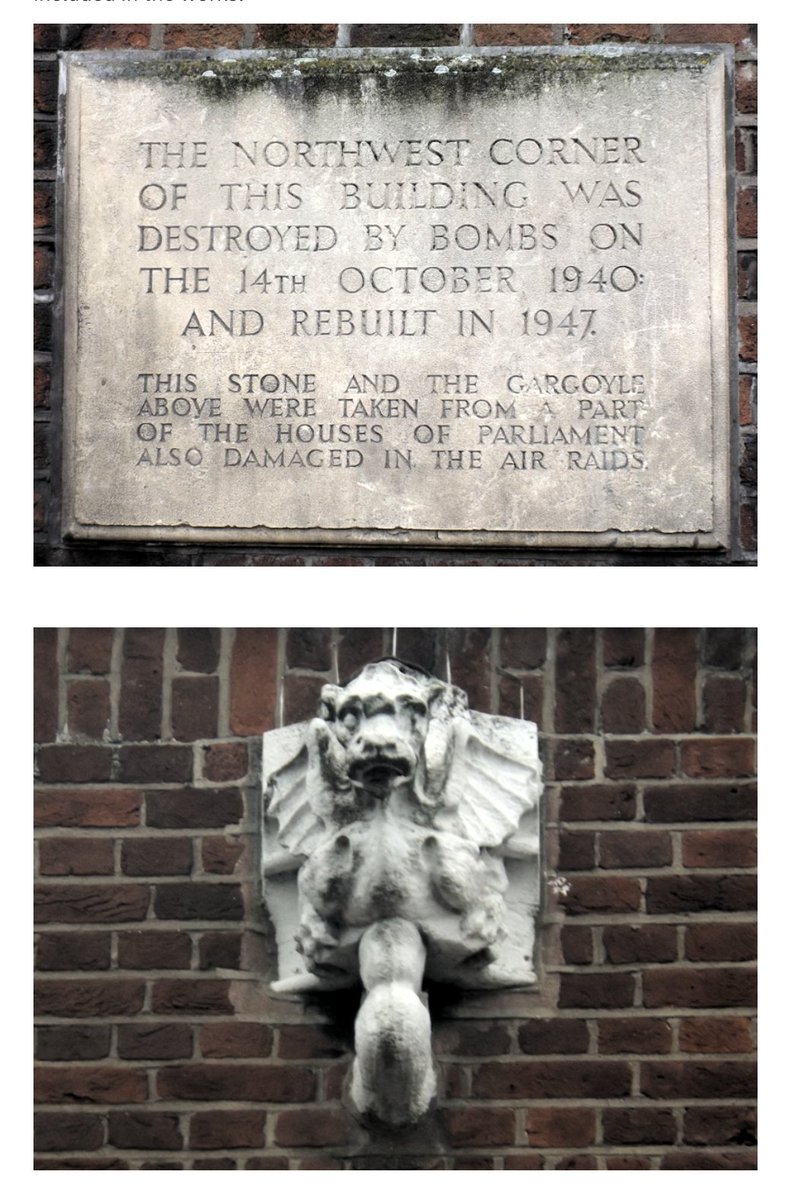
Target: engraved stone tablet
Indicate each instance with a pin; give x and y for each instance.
(390, 297)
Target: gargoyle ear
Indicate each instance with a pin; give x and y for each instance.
(329, 702)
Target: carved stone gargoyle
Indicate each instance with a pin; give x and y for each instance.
(400, 843)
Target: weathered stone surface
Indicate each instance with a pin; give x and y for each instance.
(467, 297)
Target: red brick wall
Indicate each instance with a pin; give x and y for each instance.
(158, 1043)
(49, 39)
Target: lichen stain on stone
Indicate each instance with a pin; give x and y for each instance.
(398, 74)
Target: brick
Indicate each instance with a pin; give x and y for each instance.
(253, 673)
(276, 1085)
(214, 1164)
(723, 704)
(639, 848)
(576, 851)
(721, 942)
(237, 1039)
(640, 943)
(623, 648)
(701, 893)
(522, 697)
(628, 1162)
(204, 37)
(674, 667)
(47, 37)
(357, 647)
(720, 1126)
(524, 1162)
(88, 711)
(222, 855)
(93, 1085)
(194, 707)
(479, 1126)
(220, 950)
(312, 1127)
(522, 649)
(577, 944)
(73, 1042)
(89, 651)
(553, 1036)
(192, 808)
(224, 761)
(591, 990)
(634, 1035)
(301, 697)
(700, 1080)
(113, 37)
(191, 996)
(716, 1035)
(198, 649)
(651, 758)
(157, 856)
(404, 35)
(513, 35)
(90, 903)
(556, 1127)
(42, 400)
(718, 758)
(145, 1131)
(67, 1131)
(76, 856)
(88, 998)
(148, 950)
(80, 1164)
(41, 442)
(154, 1041)
(44, 147)
(74, 764)
(708, 1160)
(622, 707)
(747, 227)
(73, 952)
(198, 902)
(295, 35)
(638, 1126)
(746, 290)
(140, 715)
(724, 648)
(569, 758)
(227, 1129)
(475, 1162)
(742, 36)
(309, 649)
(155, 764)
(684, 987)
(576, 1162)
(575, 694)
(328, 1041)
(586, 35)
(602, 893)
(600, 802)
(704, 802)
(45, 87)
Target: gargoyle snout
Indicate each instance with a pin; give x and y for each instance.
(380, 744)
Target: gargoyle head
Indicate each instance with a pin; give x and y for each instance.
(390, 721)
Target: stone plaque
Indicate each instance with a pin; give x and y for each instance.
(398, 297)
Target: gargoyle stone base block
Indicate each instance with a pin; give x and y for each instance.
(400, 847)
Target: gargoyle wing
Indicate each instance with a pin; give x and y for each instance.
(490, 786)
(299, 829)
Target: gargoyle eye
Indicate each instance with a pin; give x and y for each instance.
(350, 719)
